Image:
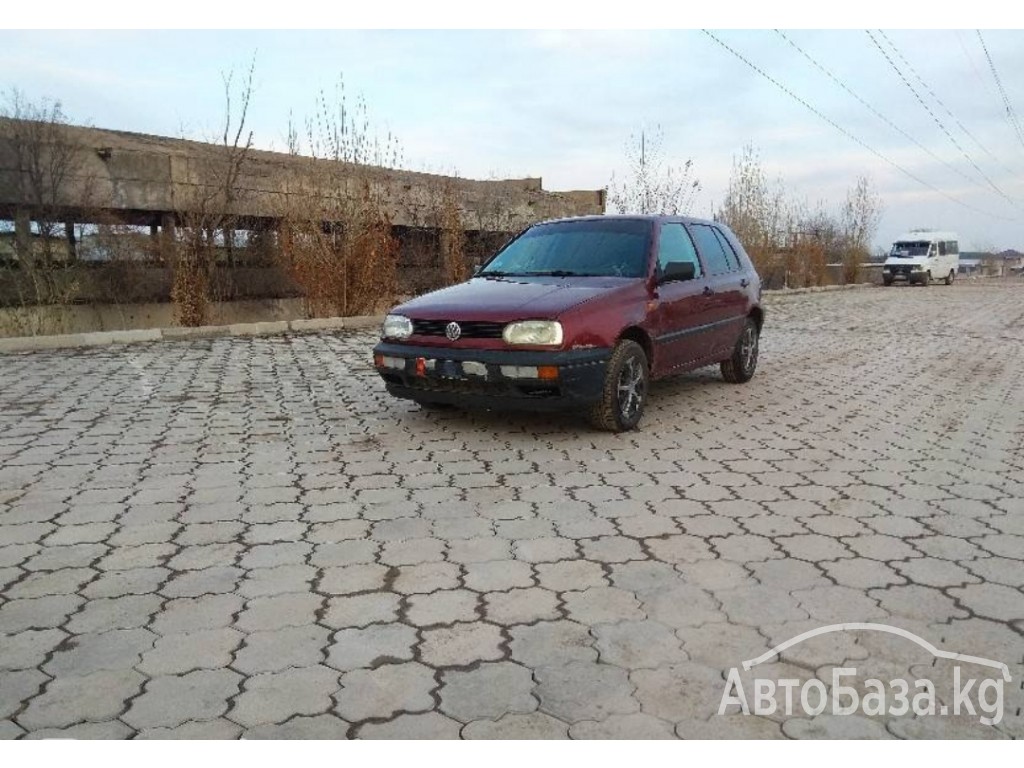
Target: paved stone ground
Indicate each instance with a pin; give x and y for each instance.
(247, 537)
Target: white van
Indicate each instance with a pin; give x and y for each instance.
(923, 255)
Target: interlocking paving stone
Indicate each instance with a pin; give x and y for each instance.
(94, 697)
(584, 691)
(636, 726)
(205, 730)
(490, 690)
(322, 727)
(534, 725)
(429, 725)
(274, 697)
(277, 649)
(200, 649)
(461, 644)
(85, 654)
(172, 701)
(521, 606)
(253, 536)
(385, 691)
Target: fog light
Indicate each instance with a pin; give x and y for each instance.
(473, 368)
(519, 371)
(386, 361)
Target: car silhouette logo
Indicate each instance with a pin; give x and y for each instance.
(452, 331)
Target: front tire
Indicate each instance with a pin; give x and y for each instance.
(927, 279)
(950, 277)
(887, 281)
(624, 393)
(740, 367)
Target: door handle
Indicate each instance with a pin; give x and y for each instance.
(744, 283)
(708, 291)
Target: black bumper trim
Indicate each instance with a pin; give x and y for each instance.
(579, 384)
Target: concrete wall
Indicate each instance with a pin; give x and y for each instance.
(89, 318)
(141, 176)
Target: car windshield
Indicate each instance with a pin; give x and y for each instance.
(910, 248)
(592, 248)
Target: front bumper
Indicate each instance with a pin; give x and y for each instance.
(903, 272)
(441, 375)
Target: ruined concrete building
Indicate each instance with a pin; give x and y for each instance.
(66, 175)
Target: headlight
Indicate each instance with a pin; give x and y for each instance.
(396, 327)
(544, 332)
(918, 267)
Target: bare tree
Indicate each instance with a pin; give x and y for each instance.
(651, 185)
(209, 211)
(42, 171)
(758, 212)
(336, 239)
(861, 215)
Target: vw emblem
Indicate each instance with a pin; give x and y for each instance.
(452, 331)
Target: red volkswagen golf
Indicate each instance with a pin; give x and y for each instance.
(580, 314)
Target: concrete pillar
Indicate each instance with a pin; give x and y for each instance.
(22, 233)
(69, 234)
(168, 237)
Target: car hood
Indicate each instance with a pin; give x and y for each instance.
(506, 299)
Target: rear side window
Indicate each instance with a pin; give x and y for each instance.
(675, 245)
(730, 252)
(710, 246)
(942, 247)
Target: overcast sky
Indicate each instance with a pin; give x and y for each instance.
(562, 105)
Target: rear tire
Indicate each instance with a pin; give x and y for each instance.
(624, 394)
(740, 367)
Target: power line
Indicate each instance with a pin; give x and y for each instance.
(846, 133)
(875, 112)
(939, 101)
(1010, 114)
(935, 118)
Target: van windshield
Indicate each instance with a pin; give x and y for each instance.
(910, 248)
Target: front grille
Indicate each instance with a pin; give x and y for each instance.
(471, 329)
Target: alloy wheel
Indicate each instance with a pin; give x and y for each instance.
(632, 387)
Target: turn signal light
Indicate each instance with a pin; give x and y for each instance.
(547, 372)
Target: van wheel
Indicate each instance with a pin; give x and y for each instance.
(927, 279)
(887, 281)
(740, 367)
(950, 277)
(625, 388)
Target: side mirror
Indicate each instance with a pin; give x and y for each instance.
(678, 270)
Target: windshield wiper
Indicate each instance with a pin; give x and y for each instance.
(557, 273)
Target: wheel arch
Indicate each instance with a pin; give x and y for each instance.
(757, 315)
(640, 336)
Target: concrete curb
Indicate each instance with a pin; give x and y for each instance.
(782, 293)
(315, 325)
(106, 338)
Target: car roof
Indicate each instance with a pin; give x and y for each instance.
(633, 217)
